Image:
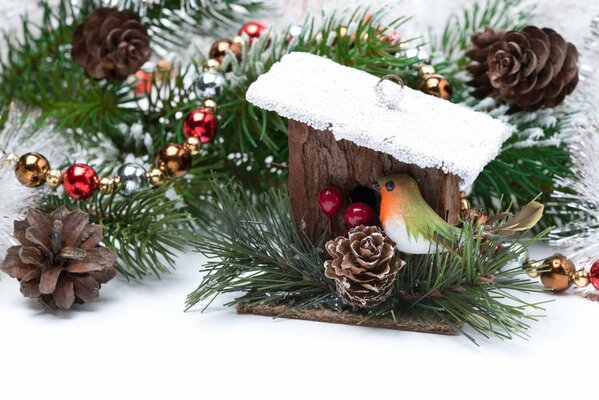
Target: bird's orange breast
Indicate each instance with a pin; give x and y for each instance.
(390, 206)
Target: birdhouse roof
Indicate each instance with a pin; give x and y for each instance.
(409, 125)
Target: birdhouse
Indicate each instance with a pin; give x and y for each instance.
(347, 128)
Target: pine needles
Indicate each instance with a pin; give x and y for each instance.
(536, 154)
(146, 231)
(259, 136)
(254, 251)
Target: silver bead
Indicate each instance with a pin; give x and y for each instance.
(132, 178)
(210, 84)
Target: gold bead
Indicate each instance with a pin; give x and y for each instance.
(193, 145)
(10, 160)
(54, 178)
(581, 278)
(31, 169)
(164, 66)
(155, 177)
(342, 32)
(174, 160)
(438, 86)
(532, 268)
(210, 103)
(165, 71)
(426, 70)
(212, 65)
(556, 273)
(108, 185)
(221, 47)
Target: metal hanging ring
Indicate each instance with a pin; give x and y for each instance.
(388, 102)
(391, 77)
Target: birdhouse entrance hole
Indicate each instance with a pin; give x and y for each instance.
(366, 195)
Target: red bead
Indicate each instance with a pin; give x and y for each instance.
(144, 84)
(595, 274)
(201, 124)
(393, 38)
(80, 181)
(253, 29)
(330, 201)
(358, 214)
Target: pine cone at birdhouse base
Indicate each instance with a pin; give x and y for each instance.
(530, 69)
(111, 44)
(59, 260)
(364, 266)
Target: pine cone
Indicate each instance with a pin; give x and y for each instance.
(111, 44)
(59, 260)
(530, 69)
(364, 266)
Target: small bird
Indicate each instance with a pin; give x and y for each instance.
(417, 229)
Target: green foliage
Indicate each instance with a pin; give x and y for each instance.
(262, 135)
(525, 167)
(173, 22)
(455, 38)
(146, 230)
(254, 251)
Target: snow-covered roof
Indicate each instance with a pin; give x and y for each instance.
(413, 127)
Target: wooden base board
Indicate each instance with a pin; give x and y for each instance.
(404, 322)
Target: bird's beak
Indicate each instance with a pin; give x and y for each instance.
(376, 186)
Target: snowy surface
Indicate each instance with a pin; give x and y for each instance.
(413, 127)
(136, 342)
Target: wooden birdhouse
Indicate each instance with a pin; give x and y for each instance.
(348, 128)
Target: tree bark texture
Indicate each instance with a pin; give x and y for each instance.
(317, 160)
(404, 322)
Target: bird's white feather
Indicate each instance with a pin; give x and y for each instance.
(397, 231)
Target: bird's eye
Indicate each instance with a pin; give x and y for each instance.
(390, 186)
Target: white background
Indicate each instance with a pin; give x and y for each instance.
(137, 343)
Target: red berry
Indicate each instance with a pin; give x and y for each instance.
(330, 201)
(201, 124)
(358, 214)
(144, 84)
(595, 274)
(253, 29)
(80, 181)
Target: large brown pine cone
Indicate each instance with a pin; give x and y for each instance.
(59, 260)
(364, 266)
(111, 44)
(530, 69)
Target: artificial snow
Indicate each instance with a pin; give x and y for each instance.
(413, 127)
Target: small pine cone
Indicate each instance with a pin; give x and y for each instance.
(59, 260)
(530, 69)
(111, 44)
(364, 266)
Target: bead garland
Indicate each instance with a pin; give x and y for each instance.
(559, 273)
(80, 181)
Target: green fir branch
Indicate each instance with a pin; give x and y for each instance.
(173, 22)
(255, 252)
(146, 230)
(526, 167)
(261, 136)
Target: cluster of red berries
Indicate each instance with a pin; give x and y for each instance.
(331, 201)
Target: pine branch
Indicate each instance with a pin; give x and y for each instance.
(455, 39)
(260, 137)
(173, 22)
(255, 252)
(146, 231)
(536, 154)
